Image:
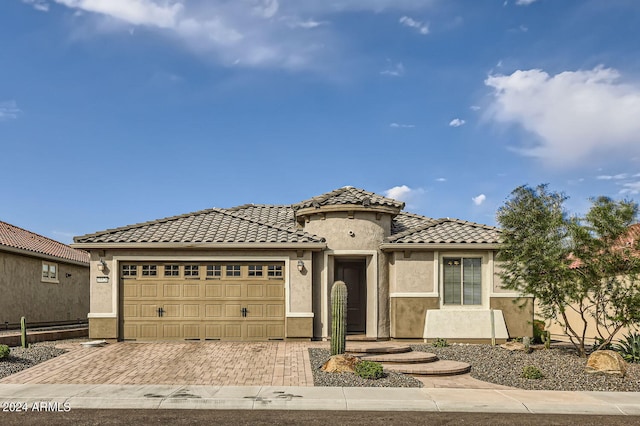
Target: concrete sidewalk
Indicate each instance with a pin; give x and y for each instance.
(318, 398)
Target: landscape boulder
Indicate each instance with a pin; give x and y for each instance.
(515, 346)
(341, 364)
(609, 362)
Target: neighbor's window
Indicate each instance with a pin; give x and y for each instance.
(462, 281)
(274, 271)
(255, 270)
(214, 271)
(149, 271)
(191, 270)
(233, 271)
(129, 270)
(171, 270)
(49, 272)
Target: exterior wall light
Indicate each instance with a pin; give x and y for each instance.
(300, 265)
(102, 264)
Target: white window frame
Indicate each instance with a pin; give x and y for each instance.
(486, 284)
(46, 276)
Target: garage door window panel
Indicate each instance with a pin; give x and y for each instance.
(214, 272)
(192, 271)
(172, 271)
(233, 271)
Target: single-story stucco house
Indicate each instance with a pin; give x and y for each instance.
(41, 279)
(260, 272)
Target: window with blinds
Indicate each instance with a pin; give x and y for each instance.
(462, 281)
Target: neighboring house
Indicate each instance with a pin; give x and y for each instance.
(41, 279)
(630, 240)
(259, 272)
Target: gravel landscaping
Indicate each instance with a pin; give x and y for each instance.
(561, 367)
(321, 378)
(20, 359)
(563, 370)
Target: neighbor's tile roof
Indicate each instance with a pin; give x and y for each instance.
(452, 231)
(349, 195)
(18, 238)
(206, 226)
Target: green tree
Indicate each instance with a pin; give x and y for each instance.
(571, 263)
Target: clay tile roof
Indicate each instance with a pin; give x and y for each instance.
(270, 214)
(452, 231)
(18, 238)
(349, 195)
(206, 226)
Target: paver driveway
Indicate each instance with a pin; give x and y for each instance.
(196, 363)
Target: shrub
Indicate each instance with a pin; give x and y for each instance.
(4, 351)
(369, 370)
(440, 343)
(538, 331)
(629, 348)
(531, 372)
(597, 342)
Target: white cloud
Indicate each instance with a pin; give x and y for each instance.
(573, 115)
(421, 27)
(40, 5)
(441, 179)
(396, 70)
(524, 2)
(613, 177)
(285, 34)
(403, 193)
(137, 12)
(402, 126)
(630, 188)
(479, 199)
(9, 110)
(456, 122)
(474, 108)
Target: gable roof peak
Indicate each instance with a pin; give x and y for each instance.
(349, 196)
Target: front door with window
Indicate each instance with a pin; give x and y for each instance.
(353, 273)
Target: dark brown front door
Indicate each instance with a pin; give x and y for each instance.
(353, 273)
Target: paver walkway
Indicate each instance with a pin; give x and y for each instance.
(196, 363)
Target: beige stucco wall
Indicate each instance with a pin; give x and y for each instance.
(557, 331)
(408, 316)
(518, 314)
(412, 274)
(368, 231)
(24, 294)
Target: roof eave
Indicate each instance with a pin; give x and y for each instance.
(42, 256)
(438, 246)
(226, 246)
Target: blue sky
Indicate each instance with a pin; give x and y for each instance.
(114, 112)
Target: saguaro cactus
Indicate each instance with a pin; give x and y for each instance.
(23, 332)
(338, 317)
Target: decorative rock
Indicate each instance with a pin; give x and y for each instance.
(515, 346)
(341, 364)
(609, 362)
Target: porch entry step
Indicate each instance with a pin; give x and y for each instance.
(412, 357)
(437, 368)
(354, 348)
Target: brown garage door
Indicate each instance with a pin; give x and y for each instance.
(215, 301)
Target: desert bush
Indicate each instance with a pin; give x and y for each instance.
(531, 372)
(629, 348)
(4, 351)
(440, 343)
(369, 370)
